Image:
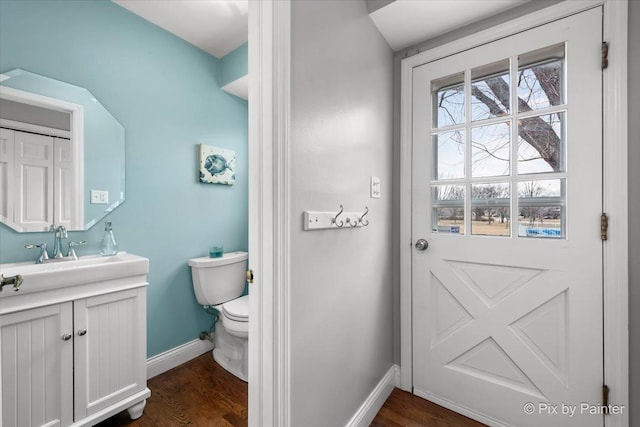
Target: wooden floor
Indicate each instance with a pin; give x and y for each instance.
(405, 409)
(202, 394)
(198, 394)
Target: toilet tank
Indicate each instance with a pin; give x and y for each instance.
(218, 280)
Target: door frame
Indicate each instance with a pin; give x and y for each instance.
(615, 185)
(269, 212)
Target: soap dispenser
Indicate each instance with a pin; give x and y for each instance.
(108, 246)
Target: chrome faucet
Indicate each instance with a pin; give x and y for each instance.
(43, 256)
(61, 233)
(72, 249)
(16, 281)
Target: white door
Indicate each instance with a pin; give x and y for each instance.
(7, 176)
(507, 188)
(63, 181)
(33, 171)
(37, 367)
(43, 168)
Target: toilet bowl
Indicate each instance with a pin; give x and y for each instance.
(220, 283)
(231, 337)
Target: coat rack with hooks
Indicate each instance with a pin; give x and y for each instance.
(315, 220)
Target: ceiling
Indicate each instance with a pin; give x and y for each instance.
(215, 26)
(404, 23)
(220, 26)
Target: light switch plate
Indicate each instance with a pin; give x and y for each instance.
(99, 197)
(375, 187)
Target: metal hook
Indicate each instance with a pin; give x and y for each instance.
(366, 211)
(335, 219)
(353, 223)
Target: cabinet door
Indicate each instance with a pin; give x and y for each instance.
(37, 367)
(109, 350)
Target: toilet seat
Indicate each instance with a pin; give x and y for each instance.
(237, 309)
(235, 316)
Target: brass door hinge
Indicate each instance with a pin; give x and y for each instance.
(250, 276)
(605, 398)
(604, 226)
(605, 54)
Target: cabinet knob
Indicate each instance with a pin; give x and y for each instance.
(82, 332)
(66, 337)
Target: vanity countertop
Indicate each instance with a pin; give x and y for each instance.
(62, 280)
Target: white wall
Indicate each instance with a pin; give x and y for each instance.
(341, 287)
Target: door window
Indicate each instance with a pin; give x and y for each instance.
(498, 145)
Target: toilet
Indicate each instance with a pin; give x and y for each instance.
(219, 283)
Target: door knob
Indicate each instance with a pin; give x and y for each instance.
(82, 332)
(66, 337)
(422, 245)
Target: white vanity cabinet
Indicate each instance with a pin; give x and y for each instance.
(73, 356)
(109, 350)
(37, 367)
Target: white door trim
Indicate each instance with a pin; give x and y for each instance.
(616, 282)
(269, 213)
(615, 203)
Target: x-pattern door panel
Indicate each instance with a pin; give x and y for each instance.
(507, 185)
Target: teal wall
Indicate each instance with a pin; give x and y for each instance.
(165, 93)
(234, 64)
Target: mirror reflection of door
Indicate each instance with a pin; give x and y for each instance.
(36, 168)
(86, 176)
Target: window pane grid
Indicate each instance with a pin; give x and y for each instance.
(491, 209)
(490, 91)
(562, 108)
(490, 150)
(509, 127)
(448, 208)
(541, 143)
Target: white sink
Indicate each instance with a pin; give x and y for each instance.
(89, 269)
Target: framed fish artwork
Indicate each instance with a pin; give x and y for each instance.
(217, 165)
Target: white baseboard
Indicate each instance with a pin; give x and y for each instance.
(369, 409)
(176, 356)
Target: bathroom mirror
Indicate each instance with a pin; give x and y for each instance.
(61, 155)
